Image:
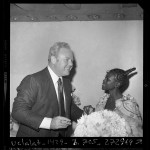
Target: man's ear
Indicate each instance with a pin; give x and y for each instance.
(53, 59)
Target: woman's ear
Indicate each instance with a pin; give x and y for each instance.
(117, 84)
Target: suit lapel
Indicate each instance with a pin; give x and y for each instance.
(52, 94)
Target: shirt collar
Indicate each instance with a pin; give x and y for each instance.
(53, 75)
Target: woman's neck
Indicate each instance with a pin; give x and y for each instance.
(115, 94)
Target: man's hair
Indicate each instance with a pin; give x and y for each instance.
(54, 50)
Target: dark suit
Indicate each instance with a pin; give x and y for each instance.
(37, 99)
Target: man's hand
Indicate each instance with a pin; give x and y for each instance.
(60, 122)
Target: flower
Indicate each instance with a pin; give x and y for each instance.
(102, 124)
(76, 99)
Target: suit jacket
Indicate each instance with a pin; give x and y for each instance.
(36, 99)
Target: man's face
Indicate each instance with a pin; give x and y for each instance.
(109, 82)
(64, 62)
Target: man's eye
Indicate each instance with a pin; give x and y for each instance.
(66, 60)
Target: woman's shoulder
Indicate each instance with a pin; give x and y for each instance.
(129, 106)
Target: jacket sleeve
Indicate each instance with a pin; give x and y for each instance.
(76, 112)
(23, 103)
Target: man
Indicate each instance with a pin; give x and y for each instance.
(37, 106)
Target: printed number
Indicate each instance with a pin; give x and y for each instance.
(75, 142)
(106, 142)
(139, 141)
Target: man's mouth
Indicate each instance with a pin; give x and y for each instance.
(69, 69)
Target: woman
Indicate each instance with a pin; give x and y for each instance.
(114, 84)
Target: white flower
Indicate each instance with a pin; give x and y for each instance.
(118, 103)
(102, 124)
(78, 130)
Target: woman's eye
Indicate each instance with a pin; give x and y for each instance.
(108, 79)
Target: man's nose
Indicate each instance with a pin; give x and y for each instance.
(70, 63)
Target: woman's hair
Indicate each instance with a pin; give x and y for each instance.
(56, 47)
(122, 77)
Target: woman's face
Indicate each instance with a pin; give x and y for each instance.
(109, 83)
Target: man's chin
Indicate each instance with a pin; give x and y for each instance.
(66, 74)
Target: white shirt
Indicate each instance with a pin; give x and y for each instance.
(45, 124)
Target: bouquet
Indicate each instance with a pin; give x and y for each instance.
(102, 124)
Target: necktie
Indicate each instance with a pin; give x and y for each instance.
(61, 98)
